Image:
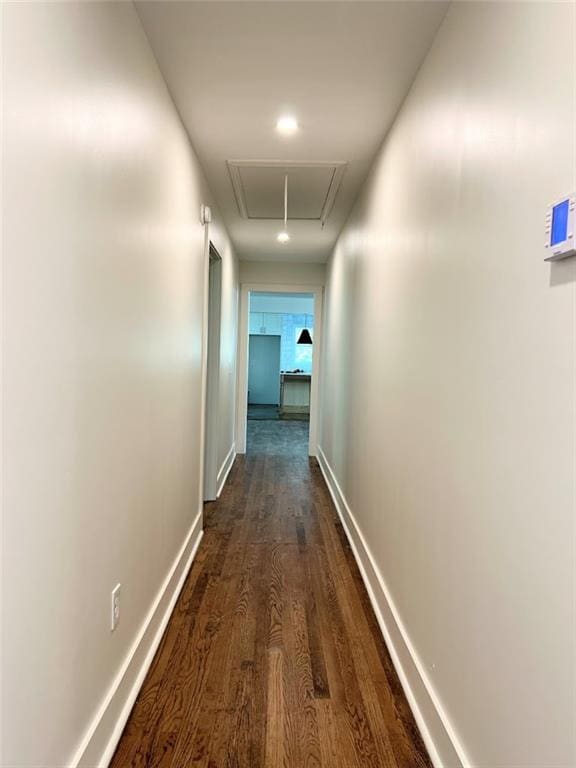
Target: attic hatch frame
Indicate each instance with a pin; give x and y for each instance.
(235, 171)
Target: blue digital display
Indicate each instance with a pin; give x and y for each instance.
(560, 222)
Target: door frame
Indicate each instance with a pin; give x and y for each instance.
(211, 383)
(243, 339)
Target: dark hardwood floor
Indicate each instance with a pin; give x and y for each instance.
(273, 657)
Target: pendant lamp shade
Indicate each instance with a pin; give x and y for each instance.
(304, 337)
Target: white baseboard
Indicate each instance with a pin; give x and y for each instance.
(439, 736)
(224, 470)
(100, 741)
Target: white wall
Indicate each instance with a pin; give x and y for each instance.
(104, 269)
(275, 272)
(449, 423)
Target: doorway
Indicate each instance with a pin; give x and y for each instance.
(263, 376)
(278, 366)
(211, 430)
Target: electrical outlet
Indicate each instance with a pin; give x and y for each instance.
(115, 608)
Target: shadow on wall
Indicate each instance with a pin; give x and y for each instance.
(563, 272)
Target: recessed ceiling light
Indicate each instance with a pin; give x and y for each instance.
(287, 125)
(283, 237)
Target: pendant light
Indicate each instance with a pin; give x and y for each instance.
(304, 337)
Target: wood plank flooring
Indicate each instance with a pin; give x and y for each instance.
(273, 657)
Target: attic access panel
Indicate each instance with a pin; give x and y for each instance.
(259, 188)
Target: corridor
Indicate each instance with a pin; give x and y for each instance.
(273, 656)
(288, 384)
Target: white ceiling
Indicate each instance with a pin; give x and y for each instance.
(342, 68)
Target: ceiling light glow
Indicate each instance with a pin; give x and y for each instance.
(283, 237)
(287, 125)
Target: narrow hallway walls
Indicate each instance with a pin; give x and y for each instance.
(448, 424)
(104, 270)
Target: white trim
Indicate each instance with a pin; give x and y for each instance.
(204, 365)
(224, 470)
(242, 383)
(212, 373)
(444, 746)
(238, 187)
(101, 739)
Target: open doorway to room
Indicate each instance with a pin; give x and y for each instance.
(281, 328)
(278, 372)
(264, 354)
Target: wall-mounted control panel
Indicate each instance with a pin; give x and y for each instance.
(560, 229)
